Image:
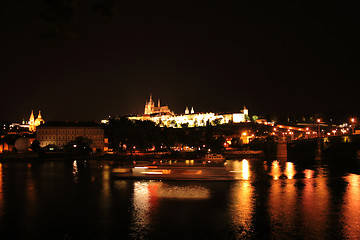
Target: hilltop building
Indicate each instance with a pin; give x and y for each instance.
(163, 116)
(150, 108)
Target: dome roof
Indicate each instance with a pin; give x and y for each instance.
(22, 144)
(39, 120)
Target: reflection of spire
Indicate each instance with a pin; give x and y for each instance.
(192, 110)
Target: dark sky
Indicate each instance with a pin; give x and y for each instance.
(85, 60)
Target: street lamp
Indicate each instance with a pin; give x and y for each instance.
(318, 149)
(353, 125)
(318, 121)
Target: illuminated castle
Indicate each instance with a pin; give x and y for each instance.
(151, 109)
(166, 118)
(33, 123)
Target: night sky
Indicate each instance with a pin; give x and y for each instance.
(85, 60)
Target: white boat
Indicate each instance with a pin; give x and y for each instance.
(174, 173)
(214, 157)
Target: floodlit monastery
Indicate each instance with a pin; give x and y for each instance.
(163, 116)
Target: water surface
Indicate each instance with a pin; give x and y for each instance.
(270, 200)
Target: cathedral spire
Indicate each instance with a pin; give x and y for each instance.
(32, 116)
(158, 102)
(32, 122)
(186, 110)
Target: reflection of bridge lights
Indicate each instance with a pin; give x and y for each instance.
(75, 168)
(351, 207)
(242, 207)
(245, 169)
(275, 170)
(75, 172)
(308, 173)
(290, 170)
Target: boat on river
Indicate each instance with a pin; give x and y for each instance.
(214, 157)
(171, 172)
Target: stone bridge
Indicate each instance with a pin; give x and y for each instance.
(330, 147)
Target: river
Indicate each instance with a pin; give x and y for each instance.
(271, 200)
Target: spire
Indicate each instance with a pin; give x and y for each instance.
(39, 116)
(186, 110)
(192, 110)
(32, 122)
(245, 111)
(158, 102)
(32, 115)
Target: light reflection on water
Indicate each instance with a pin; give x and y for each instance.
(290, 170)
(241, 208)
(105, 197)
(1, 194)
(309, 173)
(240, 169)
(148, 194)
(351, 217)
(275, 170)
(75, 172)
(274, 199)
(141, 210)
(316, 206)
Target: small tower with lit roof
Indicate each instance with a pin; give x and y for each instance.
(32, 122)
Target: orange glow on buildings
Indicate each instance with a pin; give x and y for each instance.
(166, 118)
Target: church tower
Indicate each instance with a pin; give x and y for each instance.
(149, 106)
(39, 120)
(32, 122)
(245, 111)
(187, 110)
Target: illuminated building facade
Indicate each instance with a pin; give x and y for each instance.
(150, 108)
(33, 123)
(164, 117)
(60, 133)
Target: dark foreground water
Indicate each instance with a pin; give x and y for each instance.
(271, 200)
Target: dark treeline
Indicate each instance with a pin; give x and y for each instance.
(128, 135)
